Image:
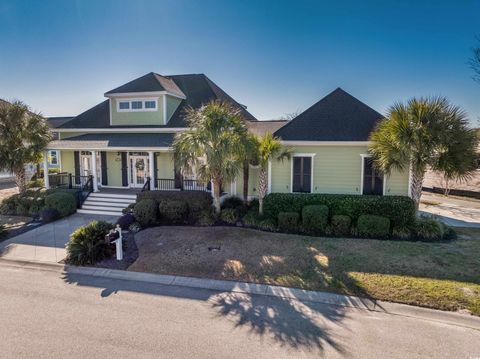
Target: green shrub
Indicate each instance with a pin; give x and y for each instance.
(3, 231)
(128, 209)
(146, 212)
(372, 226)
(341, 225)
(206, 218)
(288, 221)
(173, 211)
(315, 219)
(267, 224)
(76, 193)
(254, 220)
(229, 215)
(399, 209)
(235, 203)
(49, 215)
(87, 244)
(63, 202)
(429, 229)
(402, 233)
(197, 201)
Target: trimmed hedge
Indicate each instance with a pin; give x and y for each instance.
(372, 226)
(288, 221)
(173, 211)
(341, 225)
(229, 215)
(399, 209)
(49, 215)
(315, 218)
(146, 212)
(197, 201)
(63, 202)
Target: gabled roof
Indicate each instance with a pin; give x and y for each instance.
(198, 90)
(337, 117)
(150, 82)
(55, 122)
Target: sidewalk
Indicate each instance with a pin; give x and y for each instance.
(453, 211)
(46, 243)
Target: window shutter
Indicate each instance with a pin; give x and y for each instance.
(76, 165)
(155, 170)
(124, 169)
(103, 164)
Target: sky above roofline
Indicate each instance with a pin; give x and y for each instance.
(278, 57)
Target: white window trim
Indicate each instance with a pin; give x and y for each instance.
(362, 172)
(50, 163)
(143, 100)
(312, 155)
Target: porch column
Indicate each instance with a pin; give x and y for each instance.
(45, 170)
(94, 171)
(151, 169)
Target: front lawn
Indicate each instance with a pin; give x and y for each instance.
(437, 275)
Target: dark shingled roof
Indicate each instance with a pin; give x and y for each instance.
(127, 139)
(55, 122)
(260, 128)
(147, 83)
(197, 88)
(337, 117)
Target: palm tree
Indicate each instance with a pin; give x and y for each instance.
(269, 149)
(213, 145)
(422, 133)
(250, 158)
(24, 135)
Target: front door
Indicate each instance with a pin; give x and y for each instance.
(138, 170)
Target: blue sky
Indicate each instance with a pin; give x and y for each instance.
(276, 57)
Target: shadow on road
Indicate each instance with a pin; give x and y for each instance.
(300, 325)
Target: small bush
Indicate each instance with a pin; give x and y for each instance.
(373, 226)
(288, 221)
(229, 215)
(341, 225)
(63, 202)
(146, 212)
(87, 244)
(428, 229)
(402, 233)
(267, 224)
(173, 211)
(254, 220)
(128, 209)
(206, 218)
(49, 215)
(3, 231)
(235, 203)
(197, 201)
(315, 219)
(125, 221)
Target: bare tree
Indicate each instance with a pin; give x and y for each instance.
(475, 61)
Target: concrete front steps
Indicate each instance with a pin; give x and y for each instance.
(106, 203)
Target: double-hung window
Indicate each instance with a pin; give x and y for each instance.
(372, 179)
(302, 174)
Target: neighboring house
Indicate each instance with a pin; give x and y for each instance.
(54, 155)
(128, 137)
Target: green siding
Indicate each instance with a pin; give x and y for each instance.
(172, 105)
(336, 169)
(137, 118)
(252, 183)
(67, 161)
(165, 166)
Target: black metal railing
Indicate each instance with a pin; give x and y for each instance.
(59, 180)
(85, 190)
(166, 184)
(82, 184)
(146, 185)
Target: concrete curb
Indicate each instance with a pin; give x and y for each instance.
(453, 318)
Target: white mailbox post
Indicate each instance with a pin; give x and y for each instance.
(118, 243)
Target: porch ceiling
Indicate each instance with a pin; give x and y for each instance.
(115, 141)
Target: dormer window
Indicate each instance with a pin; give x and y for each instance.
(133, 105)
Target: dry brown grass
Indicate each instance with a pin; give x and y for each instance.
(438, 275)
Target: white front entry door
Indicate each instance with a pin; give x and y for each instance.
(138, 170)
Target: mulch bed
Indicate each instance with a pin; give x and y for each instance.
(130, 254)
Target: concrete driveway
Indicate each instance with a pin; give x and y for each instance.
(453, 211)
(46, 243)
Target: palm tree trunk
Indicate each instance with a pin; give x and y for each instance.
(416, 186)
(20, 180)
(262, 188)
(216, 195)
(246, 175)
